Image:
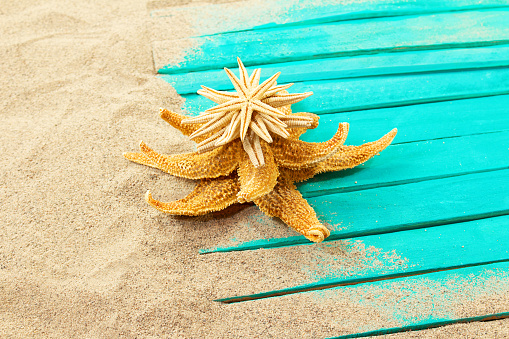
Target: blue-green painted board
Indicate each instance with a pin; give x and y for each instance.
(418, 302)
(418, 161)
(393, 34)
(343, 95)
(220, 18)
(352, 67)
(423, 250)
(418, 122)
(401, 207)
(433, 323)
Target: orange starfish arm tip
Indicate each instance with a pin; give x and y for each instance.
(209, 195)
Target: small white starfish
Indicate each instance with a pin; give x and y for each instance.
(253, 109)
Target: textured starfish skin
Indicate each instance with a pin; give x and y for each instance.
(248, 150)
(209, 195)
(228, 176)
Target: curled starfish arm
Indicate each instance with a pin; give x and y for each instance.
(209, 195)
(300, 154)
(256, 181)
(296, 132)
(286, 203)
(218, 162)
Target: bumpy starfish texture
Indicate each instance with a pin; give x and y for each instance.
(228, 176)
(251, 114)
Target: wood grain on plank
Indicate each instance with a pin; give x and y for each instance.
(419, 122)
(449, 30)
(344, 95)
(418, 161)
(353, 67)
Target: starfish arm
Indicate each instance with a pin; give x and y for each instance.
(279, 88)
(225, 94)
(237, 83)
(209, 195)
(259, 91)
(266, 109)
(258, 127)
(228, 106)
(231, 133)
(202, 118)
(139, 158)
(296, 132)
(346, 157)
(245, 119)
(351, 156)
(214, 124)
(286, 203)
(256, 181)
(218, 99)
(175, 120)
(285, 99)
(210, 142)
(300, 154)
(244, 78)
(212, 164)
(254, 80)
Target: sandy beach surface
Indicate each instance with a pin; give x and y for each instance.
(81, 253)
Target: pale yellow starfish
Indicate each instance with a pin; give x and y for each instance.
(250, 114)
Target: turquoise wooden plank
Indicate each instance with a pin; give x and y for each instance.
(425, 325)
(450, 30)
(216, 18)
(333, 96)
(353, 67)
(427, 299)
(419, 161)
(396, 208)
(426, 250)
(419, 122)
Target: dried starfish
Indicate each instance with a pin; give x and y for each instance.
(252, 108)
(262, 170)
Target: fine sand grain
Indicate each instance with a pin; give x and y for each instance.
(81, 253)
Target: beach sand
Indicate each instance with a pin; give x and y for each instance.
(82, 255)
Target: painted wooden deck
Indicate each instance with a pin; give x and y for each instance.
(436, 202)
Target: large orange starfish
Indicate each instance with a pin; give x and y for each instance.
(239, 160)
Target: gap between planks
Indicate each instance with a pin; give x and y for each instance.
(349, 282)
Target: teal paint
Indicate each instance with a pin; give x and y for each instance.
(207, 19)
(425, 325)
(394, 34)
(465, 245)
(419, 122)
(417, 161)
(345, 95)
(352, 67)
(396, 208)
